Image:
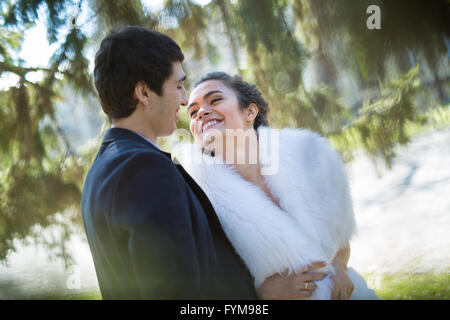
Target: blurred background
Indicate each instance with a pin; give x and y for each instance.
(375, 83)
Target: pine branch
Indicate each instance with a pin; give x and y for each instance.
(226, 19)
(22, 71)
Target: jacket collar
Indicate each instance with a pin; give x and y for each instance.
(114, 134)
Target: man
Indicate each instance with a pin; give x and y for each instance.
(152, 232)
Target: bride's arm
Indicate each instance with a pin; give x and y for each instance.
(342, 285)
(341, 258)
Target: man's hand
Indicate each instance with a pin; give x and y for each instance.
(295, 286)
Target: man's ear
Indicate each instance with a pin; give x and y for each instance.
(251, 112)
(142, 92)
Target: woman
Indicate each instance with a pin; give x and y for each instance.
(295, 213)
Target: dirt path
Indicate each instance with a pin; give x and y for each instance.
(404, 216)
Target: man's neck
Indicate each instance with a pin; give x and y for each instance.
(137, 127)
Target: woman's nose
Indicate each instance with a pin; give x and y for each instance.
(202, 112)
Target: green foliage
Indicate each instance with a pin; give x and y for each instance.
(406, 26)
(411, 286)
(121, 12)
(190, 29)
(41, 175)
(21, 13)
(270, 41)
(382, 123)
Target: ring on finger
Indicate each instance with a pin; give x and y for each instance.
(306, 285)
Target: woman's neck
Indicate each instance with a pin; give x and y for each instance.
(250, 172)
(246, 157)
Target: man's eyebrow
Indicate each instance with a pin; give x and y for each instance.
(182, 79)
(204, 97)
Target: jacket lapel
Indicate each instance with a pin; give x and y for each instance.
(211, 215)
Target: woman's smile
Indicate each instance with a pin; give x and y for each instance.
(210, 123)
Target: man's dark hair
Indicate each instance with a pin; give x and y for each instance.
(126, 56)
(246, 93)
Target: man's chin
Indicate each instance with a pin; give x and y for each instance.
(168, 132)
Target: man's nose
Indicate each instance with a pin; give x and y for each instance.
(184, 100)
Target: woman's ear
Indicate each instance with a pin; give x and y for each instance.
(251, 112)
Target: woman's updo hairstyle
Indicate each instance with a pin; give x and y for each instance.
(246, 93)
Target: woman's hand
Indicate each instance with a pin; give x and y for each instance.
(342, 285)
(298, 285)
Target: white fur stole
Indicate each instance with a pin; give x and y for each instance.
(311, 185)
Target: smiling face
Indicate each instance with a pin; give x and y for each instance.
(163, 110)
(212, 105)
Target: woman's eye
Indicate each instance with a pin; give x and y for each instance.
(215, 100)
(192, 113)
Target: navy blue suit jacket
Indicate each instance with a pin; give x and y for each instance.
(152, 231)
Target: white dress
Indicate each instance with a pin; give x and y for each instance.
(307, 177)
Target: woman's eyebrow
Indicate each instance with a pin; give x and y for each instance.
(206, 96)
(191, 105)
